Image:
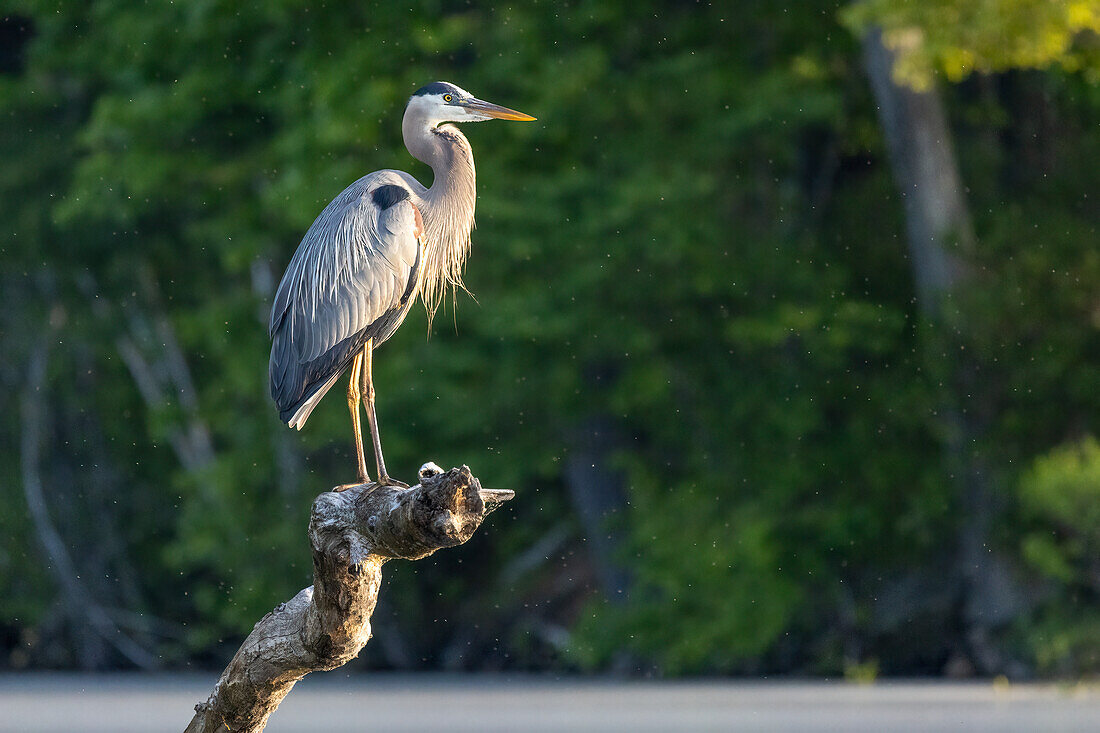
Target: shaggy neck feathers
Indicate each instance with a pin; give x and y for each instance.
(448, 206)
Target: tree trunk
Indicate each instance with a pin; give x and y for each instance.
(923, 164)
(599, 499)
(940, 240)
(352, 533)
(92, 626)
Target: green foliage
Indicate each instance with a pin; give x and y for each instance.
(1060, 500)
(1062, 494)
(699, 241)
(1064, 639)
(1062, 489)
(961, 37)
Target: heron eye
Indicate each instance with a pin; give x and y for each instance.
(447, 97)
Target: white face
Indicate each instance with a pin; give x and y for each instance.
(457, 105)
(439, 108)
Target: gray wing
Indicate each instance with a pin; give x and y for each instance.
(352, 278)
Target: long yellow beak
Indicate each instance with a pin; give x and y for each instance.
(496, 111)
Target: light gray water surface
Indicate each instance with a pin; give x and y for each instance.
(335, 703)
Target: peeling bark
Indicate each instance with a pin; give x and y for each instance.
(352, 533)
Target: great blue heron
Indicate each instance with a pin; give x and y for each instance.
(375, 247)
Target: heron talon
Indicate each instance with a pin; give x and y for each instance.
(387, 481)
(345, 487)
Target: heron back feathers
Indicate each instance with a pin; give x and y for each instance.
(352, 279)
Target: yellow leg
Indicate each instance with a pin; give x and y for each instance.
(372, 420)
(354, 395)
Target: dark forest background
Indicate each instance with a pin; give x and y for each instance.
(787, 332)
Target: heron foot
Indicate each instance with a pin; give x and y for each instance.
(387, 481)
(344, 487)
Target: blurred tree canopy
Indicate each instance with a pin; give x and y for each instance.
(698, 246)
(958, 38)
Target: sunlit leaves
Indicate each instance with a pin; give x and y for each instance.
(960, 37)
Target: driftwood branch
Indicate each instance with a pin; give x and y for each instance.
(352, 533)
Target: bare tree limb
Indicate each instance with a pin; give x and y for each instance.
(79, 604)
(157, 364)
(352, 533)
(191, 441)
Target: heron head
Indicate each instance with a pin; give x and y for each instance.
(442, 101)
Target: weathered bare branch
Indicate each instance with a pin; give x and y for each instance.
(352, 533)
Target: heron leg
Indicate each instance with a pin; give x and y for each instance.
(354, 395)
(372, 420)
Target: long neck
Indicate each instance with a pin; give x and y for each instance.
(448, 206)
